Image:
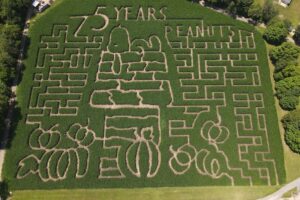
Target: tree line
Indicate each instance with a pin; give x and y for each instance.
(285, 58)
(277, 29)
(12, 15)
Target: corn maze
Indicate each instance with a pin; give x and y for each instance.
(140, 97)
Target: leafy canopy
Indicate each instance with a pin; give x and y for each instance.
(276, 33)
(286, 54)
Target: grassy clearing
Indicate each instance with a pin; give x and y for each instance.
(261, 2)
(291, 12)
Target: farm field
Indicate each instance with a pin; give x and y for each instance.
(159, 94)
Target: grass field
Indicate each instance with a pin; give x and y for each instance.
(191, 193)
(291, 12)
(158, 94)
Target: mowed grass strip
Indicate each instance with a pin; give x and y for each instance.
(190, 193)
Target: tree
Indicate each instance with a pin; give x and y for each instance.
(289, 102)
(6, 58)
(13, 11)
(291, 71)
(243, 6)
(4, 190)
(10, 35)
(291, 123)
(220, 3)
(283, 55)
(269, 11)
(276, 33)
(291, 119)
(288, 24)
(4, 74)
(9, 49)
(232, 9)
(3, 99)
(288, 87)
(292, 139)
(278, 76)
(7, 11)
(255, 12)
(297, 35)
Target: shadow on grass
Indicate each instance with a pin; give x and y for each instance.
(24, 57)
(17, 116)
(4, 191)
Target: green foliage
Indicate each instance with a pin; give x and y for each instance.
(10, 34)
(288, 86)
(286, 72)
(11, 16)
(13, 11)
(286, 54)
(231, 9)
(287, 77)
(292, 118)
(278, 76)
(288, 24)
(240, 7)
(269, 11)
(3, 100)
(255, 12)
(291, 124)
(290, 71)
(9, 49)
(7, 10)
(289, 102)
(276, 33)
(218, 3)
(297, 35)
(4, 73)
(292, 138)
(288, 92)
(243, 6)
